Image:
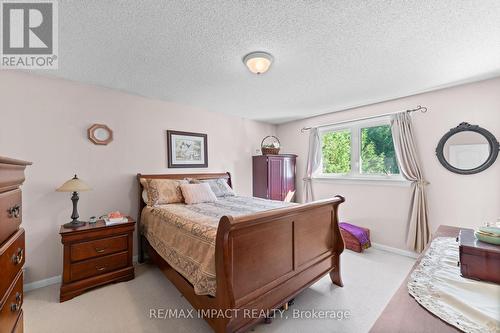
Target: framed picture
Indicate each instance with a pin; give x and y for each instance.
(187, 150)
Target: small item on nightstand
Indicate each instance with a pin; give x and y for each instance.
(114, 218)
(92, 219)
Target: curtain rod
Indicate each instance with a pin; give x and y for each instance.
(422, 109)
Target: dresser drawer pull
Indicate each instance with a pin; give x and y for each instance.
(100, 269)
(14, 211)
(18, 257)
(16, 306)
(100, 250)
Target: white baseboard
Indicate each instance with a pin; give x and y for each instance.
(42, 283)
(394, 250)
(53, 280)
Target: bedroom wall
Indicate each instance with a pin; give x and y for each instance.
(44, 120)
(459, 200)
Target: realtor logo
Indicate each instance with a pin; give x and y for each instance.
(29, 34)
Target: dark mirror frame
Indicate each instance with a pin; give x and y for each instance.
(464, 127)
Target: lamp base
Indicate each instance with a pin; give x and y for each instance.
(74, 224)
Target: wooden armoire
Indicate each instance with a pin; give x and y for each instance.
(12, 253)
(273, 176)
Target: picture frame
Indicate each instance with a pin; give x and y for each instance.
(187, 149)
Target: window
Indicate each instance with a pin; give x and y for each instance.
(377, 151)
(359, 150)
(337, 152)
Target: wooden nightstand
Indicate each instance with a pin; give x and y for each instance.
(96, 254)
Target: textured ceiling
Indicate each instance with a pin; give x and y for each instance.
(329, 55)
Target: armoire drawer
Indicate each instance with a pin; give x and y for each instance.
(11, 260)
(11, 308)
(10, 213)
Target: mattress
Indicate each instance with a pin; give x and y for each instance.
(184, 235)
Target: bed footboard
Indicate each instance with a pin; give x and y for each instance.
(264, 260)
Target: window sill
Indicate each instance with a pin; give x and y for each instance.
(363, 181)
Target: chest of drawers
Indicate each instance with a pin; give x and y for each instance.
(12, 244)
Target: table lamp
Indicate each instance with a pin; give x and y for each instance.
(74, 185)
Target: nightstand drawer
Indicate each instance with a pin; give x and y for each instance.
(98, 248)
(93, 267)
(12, 307)
(11, 260)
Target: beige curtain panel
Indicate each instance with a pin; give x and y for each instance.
(313, 163)
(418, 234)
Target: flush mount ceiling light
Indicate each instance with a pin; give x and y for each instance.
(258, 62)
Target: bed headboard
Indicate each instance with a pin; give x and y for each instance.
(225, 175)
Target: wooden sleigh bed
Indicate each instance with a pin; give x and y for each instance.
(262, 260)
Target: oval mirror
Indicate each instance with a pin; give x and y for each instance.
(467, 149)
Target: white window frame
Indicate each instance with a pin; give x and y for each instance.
(355, 176)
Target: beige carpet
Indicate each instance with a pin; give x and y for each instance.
(370, 279)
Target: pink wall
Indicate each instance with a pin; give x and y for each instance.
(460, 200)
(45, 120)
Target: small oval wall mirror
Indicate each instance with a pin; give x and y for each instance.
(467, 149)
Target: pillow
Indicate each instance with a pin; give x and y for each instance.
(219, 186)
(197, 193)
(145, 196)
(163, 191)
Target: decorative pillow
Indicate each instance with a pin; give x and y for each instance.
(163, 191)
(219, 186)
(197, 193)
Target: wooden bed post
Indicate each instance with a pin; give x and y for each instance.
(224, 293)
(140, 245)
(335, 275)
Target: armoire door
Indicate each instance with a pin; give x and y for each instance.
(275, 178)
(288, 176)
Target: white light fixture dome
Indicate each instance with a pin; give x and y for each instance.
(258, 62)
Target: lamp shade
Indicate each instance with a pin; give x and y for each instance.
(74, 185)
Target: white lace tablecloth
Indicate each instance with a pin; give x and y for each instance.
(471, 306)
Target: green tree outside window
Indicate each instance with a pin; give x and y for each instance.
(337, 152)
(377, 155)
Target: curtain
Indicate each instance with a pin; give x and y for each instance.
(410, 167)
(313, 163)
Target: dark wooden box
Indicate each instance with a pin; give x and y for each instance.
(478, 260)
(352, 242)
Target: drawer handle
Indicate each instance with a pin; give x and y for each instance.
(100, 250)
(16, 306)
(18, 257)
(14, 211)
(100, 269)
